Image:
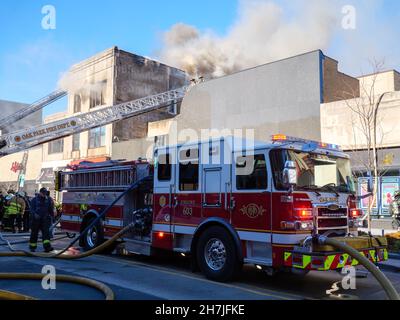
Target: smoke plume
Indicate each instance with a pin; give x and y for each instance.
(262, 33)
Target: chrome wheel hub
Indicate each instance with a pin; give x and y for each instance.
(215, 254)
(91, 237)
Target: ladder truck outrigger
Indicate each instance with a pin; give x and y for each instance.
(224, 202)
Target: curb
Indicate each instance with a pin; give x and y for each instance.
(395, 256)
(389, 267)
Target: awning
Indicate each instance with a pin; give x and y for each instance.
(90, 160)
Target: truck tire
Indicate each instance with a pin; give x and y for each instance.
(216, 254)
(94, 237)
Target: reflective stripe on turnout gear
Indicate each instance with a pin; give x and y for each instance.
(13, 208)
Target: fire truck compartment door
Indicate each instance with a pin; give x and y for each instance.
(212, 187)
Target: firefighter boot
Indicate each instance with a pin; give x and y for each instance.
(32, 247)
(47, 246)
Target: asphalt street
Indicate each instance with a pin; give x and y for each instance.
(143, 278)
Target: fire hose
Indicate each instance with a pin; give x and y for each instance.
(7, 295)
(390, 290)
(61, 255)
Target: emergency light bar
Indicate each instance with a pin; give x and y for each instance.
(285, 138)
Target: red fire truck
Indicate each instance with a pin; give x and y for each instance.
(226, 202)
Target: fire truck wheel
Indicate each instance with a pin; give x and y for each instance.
(94, 237)
(216, 254)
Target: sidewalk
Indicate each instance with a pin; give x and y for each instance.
(380, 227)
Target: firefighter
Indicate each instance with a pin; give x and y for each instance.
(15, 207)
(42, 211)
(20, 221)
(26, 216)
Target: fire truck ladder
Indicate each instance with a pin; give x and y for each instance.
(36, 106)
(27, 138)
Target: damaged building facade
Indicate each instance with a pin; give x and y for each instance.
(111, 77)
(279, 97)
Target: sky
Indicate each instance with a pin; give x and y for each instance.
(33, 59)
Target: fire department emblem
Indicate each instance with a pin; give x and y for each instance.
(252, 210)
(162, 201)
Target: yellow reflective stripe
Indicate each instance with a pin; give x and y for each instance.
(345, 260)
(355, 262)
(328, 262)
(373, 255)
(385, 254)
(306, 261)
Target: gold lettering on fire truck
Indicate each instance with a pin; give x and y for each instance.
(162, 201)
(325, 200)
(252, 210)
(187, 211)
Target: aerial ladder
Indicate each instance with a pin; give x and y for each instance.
(36, 106)
(30, 137)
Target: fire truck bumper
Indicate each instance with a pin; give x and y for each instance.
(325, 261)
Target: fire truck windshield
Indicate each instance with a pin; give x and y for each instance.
(315, 172)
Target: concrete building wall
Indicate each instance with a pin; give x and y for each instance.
(95, 74)
(137, 77)
(337, 85)
(341, 125)
(280, 97)
(387, 81)
(47, 157)
(9, 107)
(8, 178)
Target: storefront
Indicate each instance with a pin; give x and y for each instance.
(388, 182)
(387, 186)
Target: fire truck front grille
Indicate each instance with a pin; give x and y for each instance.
(325, 212)
(327, 219)
(330, 223)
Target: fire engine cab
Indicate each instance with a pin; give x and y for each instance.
(226, 202)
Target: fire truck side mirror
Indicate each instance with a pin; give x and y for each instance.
(290, 174)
